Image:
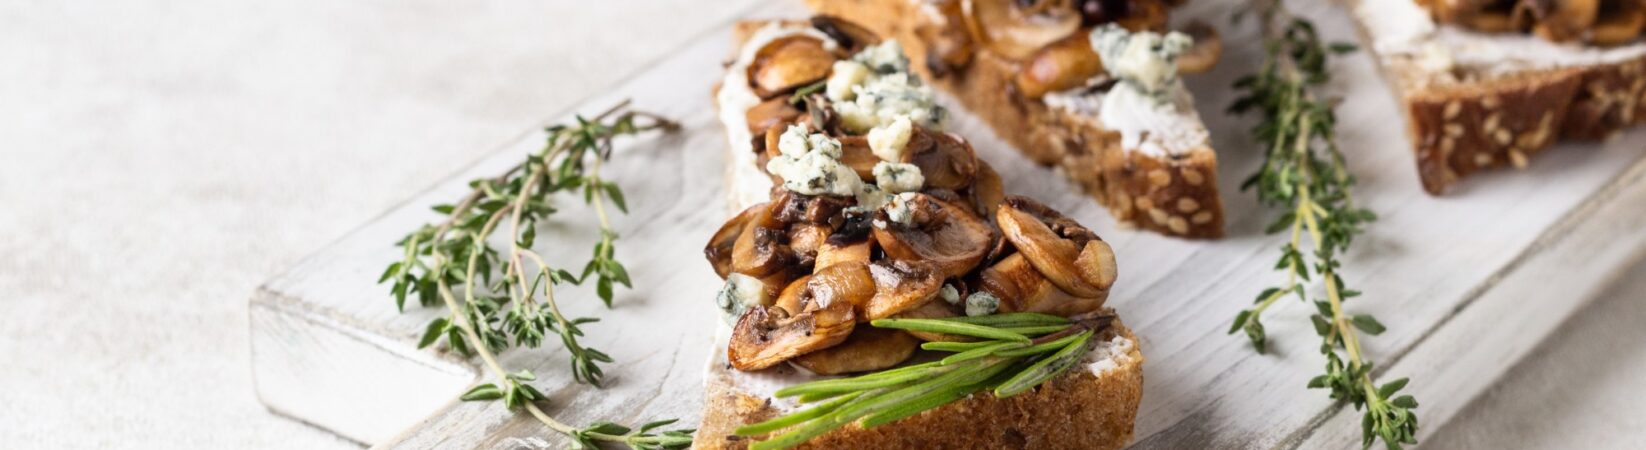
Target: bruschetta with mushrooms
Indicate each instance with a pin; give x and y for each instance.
(854, 210)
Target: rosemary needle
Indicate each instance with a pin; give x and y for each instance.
(1006, 362)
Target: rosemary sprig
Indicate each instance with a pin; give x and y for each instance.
(519, 310)
(1003, 361)
(1305, 173)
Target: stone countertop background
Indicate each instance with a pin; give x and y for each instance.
(160, 159)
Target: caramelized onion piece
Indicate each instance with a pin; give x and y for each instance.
(719, 249)
(1015, 29)
(940, 233)
(865, 350)
(767, 336)
(788, 63)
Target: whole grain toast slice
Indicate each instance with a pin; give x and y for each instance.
(1175, 194)
(1086, 408)
(1091, 406)
(1475, 101)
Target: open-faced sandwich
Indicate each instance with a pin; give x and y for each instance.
(1088, 85)
(1489, 83)
(881, 291)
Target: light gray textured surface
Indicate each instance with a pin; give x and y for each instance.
(163, 158)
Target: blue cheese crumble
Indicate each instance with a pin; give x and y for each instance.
(981, 303)
(898, 178)
(1145, 61)
(809, 164)
(740, 292)
(949, 294)
(875, 88)
(899, 210)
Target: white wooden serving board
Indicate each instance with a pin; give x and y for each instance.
(1467, 284)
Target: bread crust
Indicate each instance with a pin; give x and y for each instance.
(1176, 196)
(1077, 410)
(1465, 123)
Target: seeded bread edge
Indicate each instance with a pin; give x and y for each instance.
(1457, 128)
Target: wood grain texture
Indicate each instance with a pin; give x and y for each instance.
(1439, 271)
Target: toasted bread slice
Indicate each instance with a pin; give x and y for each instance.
(1169, 188)
(1090, 407)
(1475, 101)
(1094, 404)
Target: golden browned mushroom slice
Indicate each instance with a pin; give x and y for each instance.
(1566, 20)
(987, 192)
(947, 162)
(805, 239)
(849, 283)
(1452, 11)
(719, 250)
(1065, 64)
(1015, 29)
(769, 114)
(1144, 15)
(789, 63)
(937, 232)
(1020, 287)
(760, 250)
(866, 349)
(851, 37)
(901, 286)
(791, 298)
(767, 336)
(1491, 22)
(790, 207)
(836, 251)
(1058, 253)
(1208, 47)
(949, 48)
(1621, 24)
(855, 153)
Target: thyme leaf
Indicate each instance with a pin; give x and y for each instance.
(1305, 175)
(503, 297)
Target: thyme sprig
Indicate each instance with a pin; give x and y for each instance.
(454, 262)
(1013, 353)
(1306, 174)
